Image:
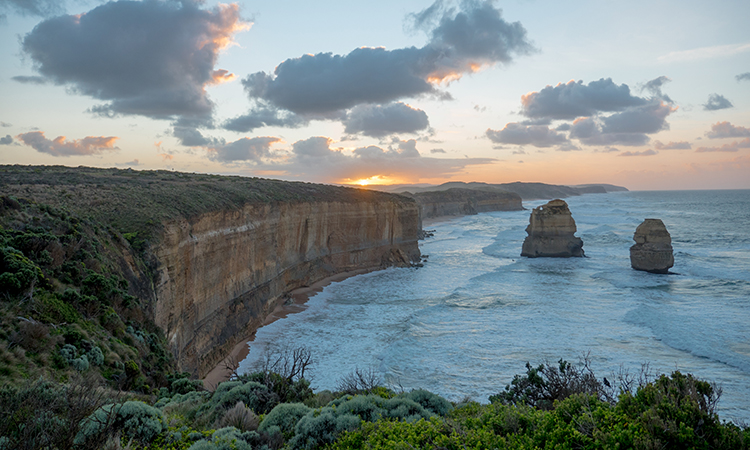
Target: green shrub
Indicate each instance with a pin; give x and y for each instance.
(321, 426)
(95, 356)
(317, 429)
(185, 385)
(284, 416)
(252, 394)
(17, 272)
(135, 420)
(541, 386)
(432, 402)
(70, 354)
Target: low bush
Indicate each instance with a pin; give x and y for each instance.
(284, 417)
(135, 420)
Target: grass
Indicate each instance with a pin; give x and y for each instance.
(137, 203)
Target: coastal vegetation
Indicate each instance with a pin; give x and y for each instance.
(550, 406)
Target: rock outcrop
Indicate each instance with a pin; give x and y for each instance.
(222, 273)
(652, 251)
(463, 202)
(551, 232)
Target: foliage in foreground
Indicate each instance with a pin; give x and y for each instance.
(674, 411)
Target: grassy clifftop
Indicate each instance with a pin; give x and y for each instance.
(138, 201)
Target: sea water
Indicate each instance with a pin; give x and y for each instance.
(469, 320)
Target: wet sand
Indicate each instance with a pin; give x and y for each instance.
(296, 303)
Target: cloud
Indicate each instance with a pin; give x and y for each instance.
(648, 152)
(246, 149)
(716, 102)
(192, 137)
(315, 159)
(7, 140)
(647, 119)
(90, 145)
(43, 8)
(5, 124)
(681, 145)
(323, 85)
(696, 54)
(29, 79)
(743, 77)
(148, 58)
(518, 134)
(437, 150)
(654, 87)
(383, 120)
(264, 117)
(721, 130)
(133, 163)
(575, 99)
(628, 128)
(733, 147)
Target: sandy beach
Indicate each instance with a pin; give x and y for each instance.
(297, 303)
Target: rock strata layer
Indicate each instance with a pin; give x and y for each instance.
(222, 273)
(464, 202)
(652, 251)
(551, 232)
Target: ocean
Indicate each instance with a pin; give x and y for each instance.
(469, 320)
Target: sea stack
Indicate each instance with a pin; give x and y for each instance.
(652, 251)
(551, 232)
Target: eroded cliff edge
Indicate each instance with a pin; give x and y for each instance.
(211, 256)
(461, 202)
(222, 273)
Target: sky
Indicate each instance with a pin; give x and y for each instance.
(646, 95)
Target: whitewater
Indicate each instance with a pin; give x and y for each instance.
(468, 320)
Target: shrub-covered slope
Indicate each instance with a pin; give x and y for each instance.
(74, 299)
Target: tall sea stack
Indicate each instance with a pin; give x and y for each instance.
(652, 251)
(551, 232)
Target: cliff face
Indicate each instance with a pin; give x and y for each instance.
(461, 202)
(210, 256)
(221, 273)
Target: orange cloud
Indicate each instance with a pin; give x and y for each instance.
(221, 76)
(90, 145)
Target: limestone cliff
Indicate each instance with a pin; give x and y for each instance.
(652, 251)
(461, 202)
(551, 232)
(211, 256)
(220, 274)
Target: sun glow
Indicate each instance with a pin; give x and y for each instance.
(376, 179)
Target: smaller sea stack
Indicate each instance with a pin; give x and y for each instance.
(551, 232)
(652, 251)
